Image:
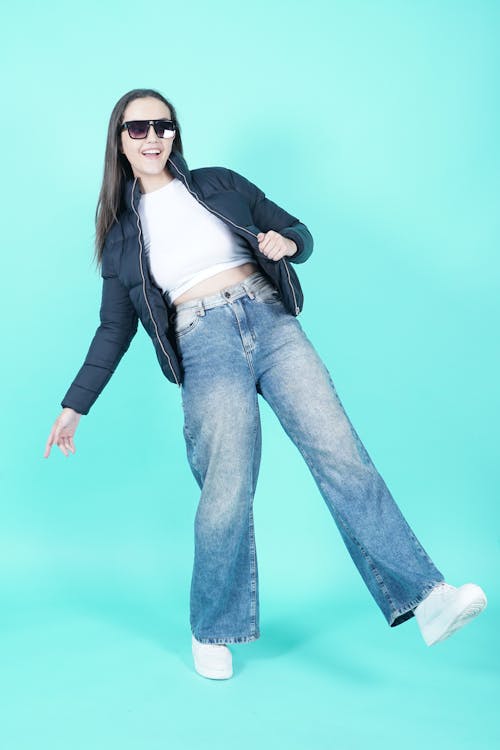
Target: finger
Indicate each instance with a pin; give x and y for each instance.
(48, 445)
(275, 250)
(268, 244)
(47, 451)
(62, 447)
(267, 239)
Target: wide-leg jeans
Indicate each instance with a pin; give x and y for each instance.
(236, 344)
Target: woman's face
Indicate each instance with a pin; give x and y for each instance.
(149, 169)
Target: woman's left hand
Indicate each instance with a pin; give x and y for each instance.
(274, 245)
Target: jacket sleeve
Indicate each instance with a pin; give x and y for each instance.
(111, 340)
(268, 215)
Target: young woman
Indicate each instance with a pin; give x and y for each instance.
(205, 260)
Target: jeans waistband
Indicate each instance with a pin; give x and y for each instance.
(249, 285)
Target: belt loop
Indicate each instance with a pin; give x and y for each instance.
(248, 290)
(201, 308)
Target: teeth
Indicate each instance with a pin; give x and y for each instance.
(151, 152)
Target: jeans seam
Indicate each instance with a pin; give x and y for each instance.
(251, 533)
(253, 607)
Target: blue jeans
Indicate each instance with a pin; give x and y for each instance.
(236, 344)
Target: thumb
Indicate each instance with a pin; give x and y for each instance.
(260, 236)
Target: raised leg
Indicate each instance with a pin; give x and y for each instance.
(394, 565)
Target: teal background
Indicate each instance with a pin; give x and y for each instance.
(377, 125)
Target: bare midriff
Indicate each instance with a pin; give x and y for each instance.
(217, 282)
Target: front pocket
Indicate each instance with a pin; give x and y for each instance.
(185, 320)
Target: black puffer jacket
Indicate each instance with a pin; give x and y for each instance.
(129, 292)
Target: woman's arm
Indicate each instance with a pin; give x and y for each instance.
(268, 215)
(111, 340)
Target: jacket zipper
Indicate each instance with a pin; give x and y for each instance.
(297, 309)
(144, 285)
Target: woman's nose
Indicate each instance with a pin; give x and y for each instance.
(149, 131)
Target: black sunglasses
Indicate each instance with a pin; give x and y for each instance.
(140, 128)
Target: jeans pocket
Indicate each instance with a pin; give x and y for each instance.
(185, 320)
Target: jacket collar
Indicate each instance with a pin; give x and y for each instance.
(177, 166)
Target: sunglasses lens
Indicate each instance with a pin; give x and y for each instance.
(138, 129)
(165, 129)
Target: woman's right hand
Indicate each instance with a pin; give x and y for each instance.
(62, 432)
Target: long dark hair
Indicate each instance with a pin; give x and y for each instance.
(117, 169)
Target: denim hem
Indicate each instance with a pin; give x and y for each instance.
(230, 639)
(406, 612)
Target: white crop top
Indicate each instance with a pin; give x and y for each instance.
(185, 241)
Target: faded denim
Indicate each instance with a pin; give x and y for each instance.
(236, 344)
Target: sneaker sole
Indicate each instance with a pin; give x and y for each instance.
(212, 674)
(469, 604)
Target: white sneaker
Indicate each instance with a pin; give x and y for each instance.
(212, 660)
(447, 608)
